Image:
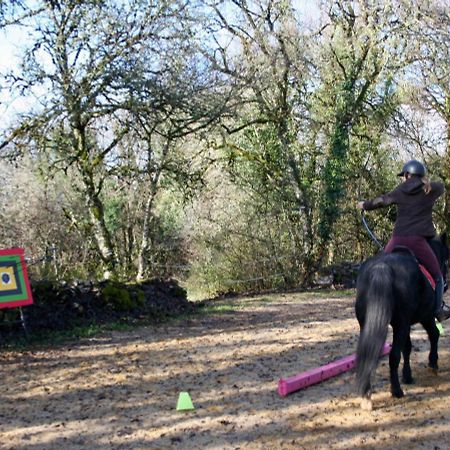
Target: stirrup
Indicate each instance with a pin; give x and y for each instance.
(443, 313)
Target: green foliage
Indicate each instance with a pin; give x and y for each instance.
(122, 298)
(252, 243)
(114, 211)
(333, 180)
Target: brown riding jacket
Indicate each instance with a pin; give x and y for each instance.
(414, 207)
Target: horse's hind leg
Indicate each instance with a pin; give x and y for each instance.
(406, 373)
(400, 335)
(433, 336)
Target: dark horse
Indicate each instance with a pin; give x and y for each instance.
(391, 289)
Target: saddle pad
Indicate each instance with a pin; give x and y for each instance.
(429, 277)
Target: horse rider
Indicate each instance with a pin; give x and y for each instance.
(414, 198)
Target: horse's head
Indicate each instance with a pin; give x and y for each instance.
(440, 248)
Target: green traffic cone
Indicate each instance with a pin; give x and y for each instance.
(184, 402)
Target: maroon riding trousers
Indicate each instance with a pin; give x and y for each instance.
(420, 247)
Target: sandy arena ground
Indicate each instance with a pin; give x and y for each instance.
(120, 390)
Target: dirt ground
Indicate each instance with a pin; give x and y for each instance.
(120, 390)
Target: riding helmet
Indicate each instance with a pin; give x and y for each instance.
(413, 167)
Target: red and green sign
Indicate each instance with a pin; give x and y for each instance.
(14, 285)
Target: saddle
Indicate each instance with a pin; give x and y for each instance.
(423, 269)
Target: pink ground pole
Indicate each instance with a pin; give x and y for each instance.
(314, 376)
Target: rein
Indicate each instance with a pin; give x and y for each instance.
(373, 237)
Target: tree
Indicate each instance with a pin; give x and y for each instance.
(191, 101)
(262, 50)
(428, 86)
(316, 94)
(357, 52)
(105, 69)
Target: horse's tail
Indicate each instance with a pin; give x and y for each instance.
(379, 301)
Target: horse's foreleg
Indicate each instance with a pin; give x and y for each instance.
(406, 373)
(400, 335)
(433, 336)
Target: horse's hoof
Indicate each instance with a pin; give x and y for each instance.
(366, 404)
(398, 393)
(408, 380)
(433, 370)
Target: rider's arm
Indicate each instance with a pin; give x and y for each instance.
(437, 188)
(378, 202)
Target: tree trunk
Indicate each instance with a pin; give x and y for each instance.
(101, 233)
(95, 207)
(145, 242)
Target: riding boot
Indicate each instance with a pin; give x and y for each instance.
(441, 310)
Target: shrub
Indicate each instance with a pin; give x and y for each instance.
(122, 298)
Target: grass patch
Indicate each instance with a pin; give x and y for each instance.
(55, 338)
(219, 308)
